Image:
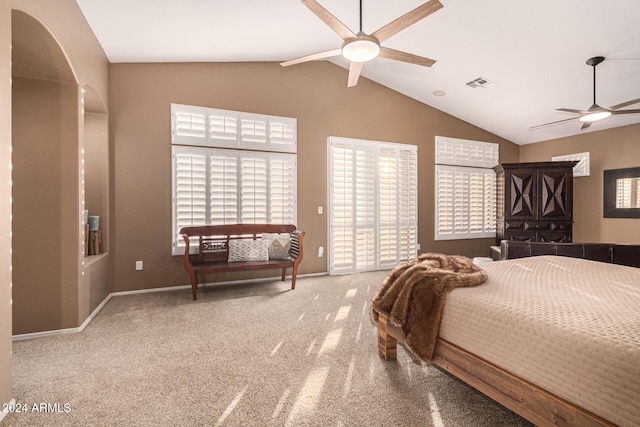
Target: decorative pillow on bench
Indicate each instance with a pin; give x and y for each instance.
(248, 250)
(278, 244)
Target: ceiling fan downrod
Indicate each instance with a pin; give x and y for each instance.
(594, 62)
(596, 112)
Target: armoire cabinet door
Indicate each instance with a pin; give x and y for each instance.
(520, 194)
(555, 194)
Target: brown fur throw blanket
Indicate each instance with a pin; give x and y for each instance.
(413, 296)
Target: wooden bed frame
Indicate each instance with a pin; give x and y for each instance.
(522, 397)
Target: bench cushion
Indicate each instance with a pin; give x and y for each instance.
(248, 250)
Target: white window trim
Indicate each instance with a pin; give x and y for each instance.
(582, 168)
(240, 136)
(274, 133)
(371, 228)
(460, 212)
(467, 160)
(207, 153)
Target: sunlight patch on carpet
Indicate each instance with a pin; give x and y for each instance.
(331, 341)
(310, 349)
(343, 313)
(281, 402)
(435, 411)
(231, 407)
(349, 378)
(307, 399)
(359, 332)
(275, 350)
(351, 293)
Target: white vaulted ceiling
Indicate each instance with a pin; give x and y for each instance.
(534, 52)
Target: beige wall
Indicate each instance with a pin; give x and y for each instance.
(610, 149)
(45, 199)
(5, 206)
(64, 20)
(314, 93)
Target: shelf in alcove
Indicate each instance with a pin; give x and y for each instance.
(91, 259)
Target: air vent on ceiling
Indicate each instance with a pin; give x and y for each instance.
(479, 82)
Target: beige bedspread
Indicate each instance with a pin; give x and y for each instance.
(570, 326)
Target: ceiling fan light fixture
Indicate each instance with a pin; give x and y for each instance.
(361, 49)
(594, 117)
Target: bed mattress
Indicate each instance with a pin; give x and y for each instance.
(569, 326)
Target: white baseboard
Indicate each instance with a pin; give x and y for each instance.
(32, 335)
(4, 413)
(80, 328)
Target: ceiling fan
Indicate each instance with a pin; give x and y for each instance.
(595, 112)
(360, 48)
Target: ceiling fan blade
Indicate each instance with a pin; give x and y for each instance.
(625, 104)
(553, 123)
(313, 57)
(397, 55)
(625, 112)
(585, 125)
(407, 20)
(571, 110)
(354, 73)
(334, 23)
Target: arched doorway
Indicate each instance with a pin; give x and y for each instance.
(46, 121)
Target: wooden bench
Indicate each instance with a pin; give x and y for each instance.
(213, 250)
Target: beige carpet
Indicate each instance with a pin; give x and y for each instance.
(243, 355)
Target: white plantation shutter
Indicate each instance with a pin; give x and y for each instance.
(341, 233)
(282, 200)
(444, 202)
(189, 125)
(231, 183)
(223, 128)
(253, 131)
(623, 193)
(253, 190)
(190, 190)
(215, 186)
(218, 128)
(373, 204)
(387, 211)
(408, 204)
(465, 203)
(465, 188)
(465, 152)
(365, 205)
(283, 134)
(224, 187)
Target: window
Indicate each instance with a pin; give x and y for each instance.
(372, 205)
(224, 185)
(213, 127)
(465, 189)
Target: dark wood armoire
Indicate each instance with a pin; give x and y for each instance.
(535, 201)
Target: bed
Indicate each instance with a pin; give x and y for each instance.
(554, 338)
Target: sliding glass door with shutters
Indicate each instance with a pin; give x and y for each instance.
(372, 205)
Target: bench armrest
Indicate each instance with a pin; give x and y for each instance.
(296, 250)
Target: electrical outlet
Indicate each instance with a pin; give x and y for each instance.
(320, 252)
(138, 265)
